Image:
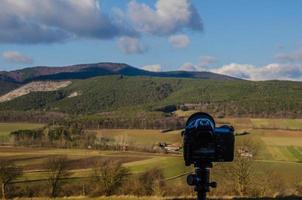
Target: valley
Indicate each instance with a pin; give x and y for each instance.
(113, 115)
(279, 151)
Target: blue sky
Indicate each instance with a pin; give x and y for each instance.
(258, 39)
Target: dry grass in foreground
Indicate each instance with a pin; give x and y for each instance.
(167, 198)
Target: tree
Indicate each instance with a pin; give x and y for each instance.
(110, 176)
(8, 173)
(122, 142)
(57, 167)
(242, 170)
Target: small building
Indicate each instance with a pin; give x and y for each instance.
(173, 148)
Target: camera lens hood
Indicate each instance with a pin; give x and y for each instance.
(200, 115)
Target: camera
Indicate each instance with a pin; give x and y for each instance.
(203, 142)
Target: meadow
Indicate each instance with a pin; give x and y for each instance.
(7, 128)
(279, 150)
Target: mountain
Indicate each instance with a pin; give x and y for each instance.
(112, 87)
(156, 94)
(84, 71)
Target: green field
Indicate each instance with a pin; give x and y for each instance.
(282, 145)
(279, 151)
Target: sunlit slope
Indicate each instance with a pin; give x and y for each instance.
(108, 93)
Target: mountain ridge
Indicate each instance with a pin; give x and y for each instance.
(84, 71)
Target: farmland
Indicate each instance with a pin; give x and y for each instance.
(81, 161)
(6, 128)
(279, 151)
(143, 137)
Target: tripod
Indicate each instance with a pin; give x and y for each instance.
(201, 179)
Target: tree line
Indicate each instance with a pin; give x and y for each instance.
(72, 136)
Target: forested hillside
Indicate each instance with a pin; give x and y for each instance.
(149, 94)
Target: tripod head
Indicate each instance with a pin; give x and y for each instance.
(201, 180)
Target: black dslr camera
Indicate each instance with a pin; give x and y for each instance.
(203, 142)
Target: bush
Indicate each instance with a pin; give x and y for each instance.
(108, 177)
(149, 183)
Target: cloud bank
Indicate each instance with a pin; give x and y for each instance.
(273, 71)
(153, 68)
(47, 21)
(57, 21)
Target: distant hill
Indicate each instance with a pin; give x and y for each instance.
(151, 94)
(83, 71)
(113, 87)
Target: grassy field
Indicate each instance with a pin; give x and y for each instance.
(287, 124)
(6, 128)
(142, 137)
(279, 151)
(282, 145)
(83, 161)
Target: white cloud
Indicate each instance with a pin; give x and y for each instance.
(16, 57)
(202, 65)
(273, 71)
(51, 21)
(179, 41)
(168, 17)
(153, 68)
(36, 21)
(267, 72)
(187, 67)
(131, 45)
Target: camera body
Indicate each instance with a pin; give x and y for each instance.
(203, 142)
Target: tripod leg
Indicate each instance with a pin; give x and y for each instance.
(203, 188)
(201, 180)
(201, 195)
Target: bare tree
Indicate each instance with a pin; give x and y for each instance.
(8, 173)
(122, 142)
(110, 176)
(57, 167)
(242, 169)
